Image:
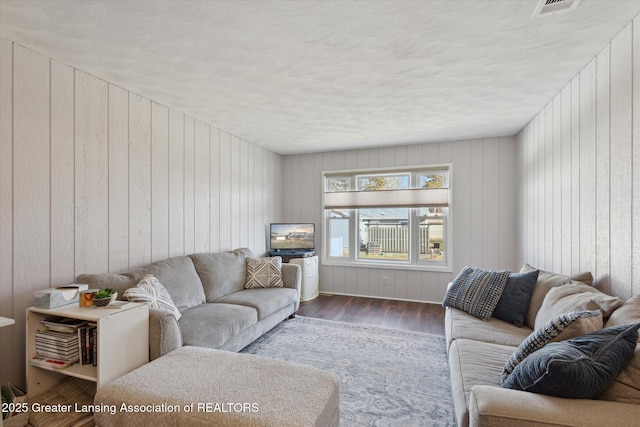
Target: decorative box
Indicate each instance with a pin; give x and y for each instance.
(57, 297)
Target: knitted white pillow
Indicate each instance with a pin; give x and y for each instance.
(151, 291)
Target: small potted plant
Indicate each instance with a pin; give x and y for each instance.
(104, 297)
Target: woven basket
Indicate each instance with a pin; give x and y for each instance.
(101, 302)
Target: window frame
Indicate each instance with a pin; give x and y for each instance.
(413, 261)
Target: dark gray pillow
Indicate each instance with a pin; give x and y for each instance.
(577, 368)
(476, 291)
(565, 326)
(514, 302)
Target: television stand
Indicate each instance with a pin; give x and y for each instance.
(289, 255)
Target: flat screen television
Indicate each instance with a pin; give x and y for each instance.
(292, 236)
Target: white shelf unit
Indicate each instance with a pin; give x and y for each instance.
(122, 344)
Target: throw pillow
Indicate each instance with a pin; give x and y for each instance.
(151, 291)
(514, 302)
(546, 281)
(264, 273)
(575, 296)
(476, 291)
(578, 368)
(565, 326)
(628, 312)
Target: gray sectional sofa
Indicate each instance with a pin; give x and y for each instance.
(478, 351)
(208, 289)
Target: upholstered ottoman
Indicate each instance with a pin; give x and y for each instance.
(195, 386)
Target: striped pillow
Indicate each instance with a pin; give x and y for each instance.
(264, 273)
(575, 323)
(151, 291)
(476, 291)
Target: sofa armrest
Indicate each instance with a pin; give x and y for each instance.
(495, 406)
(164, 333)
(292, 278)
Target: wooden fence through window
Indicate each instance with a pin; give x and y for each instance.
(395, 238)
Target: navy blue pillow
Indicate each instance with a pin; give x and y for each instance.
(577, 368)
(514, 301)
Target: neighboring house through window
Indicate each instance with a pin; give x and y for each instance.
(392, 217)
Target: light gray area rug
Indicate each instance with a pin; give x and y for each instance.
(388, 377)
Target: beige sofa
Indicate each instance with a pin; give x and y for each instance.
(209, 291)
(478, 351)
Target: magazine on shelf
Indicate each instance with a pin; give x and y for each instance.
(44, 343)
(57, 355)
(62, 358)
(64, 352)
(61, 337)
(56, 349)
(49, 362)
(63, 324)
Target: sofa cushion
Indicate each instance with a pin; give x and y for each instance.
(626, 386)
(221, 273)
(151, 291)
(546, 281)
(264, 272)
(499, 407)
(473, 363)
(244, 251)
(627, 313)
(266, 301)
(514, 301)
(577, 368)
(461, 325)
(213, 324)
(179, 276)
(575, 296)
(117, 282)
(476, 291)
(562, 327)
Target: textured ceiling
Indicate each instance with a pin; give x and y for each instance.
(309, 76)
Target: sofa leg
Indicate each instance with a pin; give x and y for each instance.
(293, 316)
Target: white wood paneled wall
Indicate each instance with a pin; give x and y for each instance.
(580, 176)
(483, 211)
(96, 179)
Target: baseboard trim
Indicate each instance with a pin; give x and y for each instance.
(378, 297)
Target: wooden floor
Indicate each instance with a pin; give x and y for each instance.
(402, 315)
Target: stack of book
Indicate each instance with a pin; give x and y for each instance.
(66, 341)
(56, 349)
(88, 344)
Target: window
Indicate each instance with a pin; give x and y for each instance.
(390, 217)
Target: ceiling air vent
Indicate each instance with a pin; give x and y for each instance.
(552, 7)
